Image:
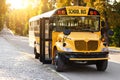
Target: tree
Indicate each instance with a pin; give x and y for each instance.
(63, 3)
(90, 3)
(3, 9)
(42, 6)
(116, 37)
(114, 20)
(115, 15)
(18, 19)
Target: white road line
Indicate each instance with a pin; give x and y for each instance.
(114, 61)
(64, 77)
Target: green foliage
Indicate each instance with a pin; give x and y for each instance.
(115, 15)
(63, 3)
(1, 21)
(114, 21)
(3, 8)
(42, 7)
(18, 19)
(116, 7)
(116, 37)
(90, 3)
(100, 5)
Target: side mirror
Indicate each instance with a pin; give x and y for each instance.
(110, 32)
(66, 32)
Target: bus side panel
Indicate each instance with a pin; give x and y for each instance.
(31, 34)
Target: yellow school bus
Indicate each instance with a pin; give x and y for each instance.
(69, 35)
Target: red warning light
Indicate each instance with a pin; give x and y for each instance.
(93, 12)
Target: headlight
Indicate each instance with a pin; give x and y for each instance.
(105, 50)
(67, 49)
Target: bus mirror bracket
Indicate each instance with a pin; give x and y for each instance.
(66, 32)
(102, 23)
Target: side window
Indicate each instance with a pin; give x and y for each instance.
(38, 22)
(36, 25)
(46, 29)
(35, 28)
(31, 26)
(30, 23)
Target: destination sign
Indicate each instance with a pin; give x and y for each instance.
(76, 11)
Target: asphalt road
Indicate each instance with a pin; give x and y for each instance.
(17, 61)
(74, 72)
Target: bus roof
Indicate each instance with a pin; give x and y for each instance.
(45, 15)
(70, 10)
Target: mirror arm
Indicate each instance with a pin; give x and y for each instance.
(64, 38)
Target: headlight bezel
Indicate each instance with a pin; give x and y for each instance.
(105, 49)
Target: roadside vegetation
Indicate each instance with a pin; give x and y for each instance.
(17, 19)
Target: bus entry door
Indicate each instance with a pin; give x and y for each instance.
(45, 41)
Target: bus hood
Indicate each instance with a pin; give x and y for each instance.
(84, 36)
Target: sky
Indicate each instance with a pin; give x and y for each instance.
(18, 3)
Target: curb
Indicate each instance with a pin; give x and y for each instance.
(114, 49)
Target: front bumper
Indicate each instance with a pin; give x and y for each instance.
(91, 56)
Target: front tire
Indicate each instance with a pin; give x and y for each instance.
(59, 64)
(101, 65)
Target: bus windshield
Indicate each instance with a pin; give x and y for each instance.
(76, 23)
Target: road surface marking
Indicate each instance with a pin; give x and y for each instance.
(114, 61)
(64, 77)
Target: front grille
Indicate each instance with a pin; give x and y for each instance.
(92, 45)
(86, 46)
(80, 45)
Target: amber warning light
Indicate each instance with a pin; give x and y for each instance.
(61, 12)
